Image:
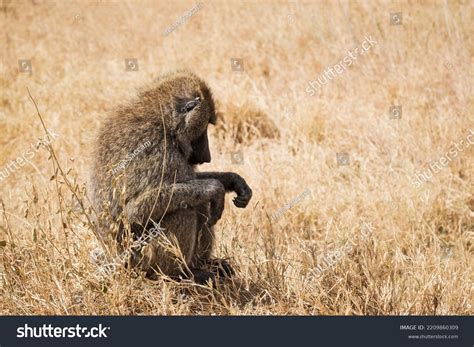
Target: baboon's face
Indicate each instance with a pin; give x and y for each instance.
(194, 110)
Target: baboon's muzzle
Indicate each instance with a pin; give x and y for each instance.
(200, 153)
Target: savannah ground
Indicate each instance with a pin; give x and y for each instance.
(319, 237)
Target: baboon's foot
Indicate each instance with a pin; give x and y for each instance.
(220, 267)
(152, 275)
(203, 276)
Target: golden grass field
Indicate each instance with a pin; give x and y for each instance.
(417, 257)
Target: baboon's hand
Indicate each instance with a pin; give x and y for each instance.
(244, 193)
(217, 202)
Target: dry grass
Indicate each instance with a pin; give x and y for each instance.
(418, 259)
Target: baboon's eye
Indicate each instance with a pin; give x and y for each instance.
(190, 105)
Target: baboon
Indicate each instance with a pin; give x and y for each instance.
(159, 185)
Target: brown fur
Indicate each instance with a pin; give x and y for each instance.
(159, 184)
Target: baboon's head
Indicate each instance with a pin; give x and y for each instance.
(192, 106)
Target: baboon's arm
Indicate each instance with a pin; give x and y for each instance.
(156, 202)
(231, 182)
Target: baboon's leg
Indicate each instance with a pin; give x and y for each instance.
(189, 257)
(205, 237)
(157, 202)
(204, 247)
(170, 250)
(159, 258)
